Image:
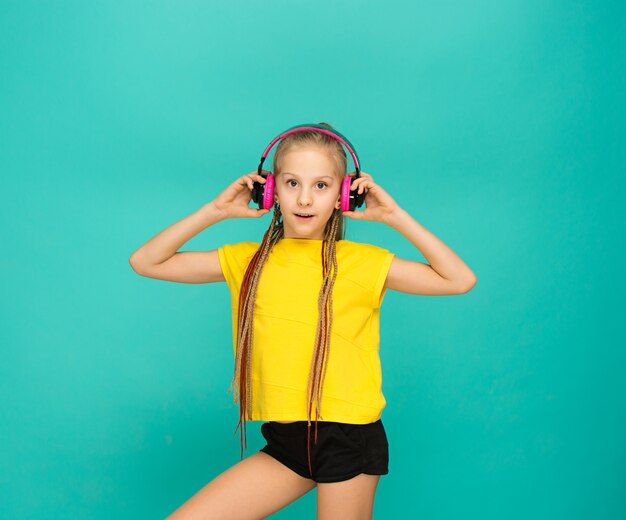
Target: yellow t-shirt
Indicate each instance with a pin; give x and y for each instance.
(286, 315)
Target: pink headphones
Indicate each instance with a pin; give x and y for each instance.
(263, 194)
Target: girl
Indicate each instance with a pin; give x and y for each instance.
(305, 301)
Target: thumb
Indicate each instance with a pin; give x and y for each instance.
(256, 213)
(354, 215)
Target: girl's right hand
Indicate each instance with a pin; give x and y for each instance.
(233, 201)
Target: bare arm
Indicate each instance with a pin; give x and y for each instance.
(446, 274)
(158, 257)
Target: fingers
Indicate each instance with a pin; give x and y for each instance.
(364, 181)
(252, 177)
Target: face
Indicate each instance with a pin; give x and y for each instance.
(308, 183)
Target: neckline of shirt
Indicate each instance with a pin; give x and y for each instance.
(302, 239)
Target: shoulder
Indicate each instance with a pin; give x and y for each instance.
(233, 259)
(238, 252)
(368, 265)
(350, 247)
(241, 247)
(363, 257)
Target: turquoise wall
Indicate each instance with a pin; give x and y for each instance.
(497, 125)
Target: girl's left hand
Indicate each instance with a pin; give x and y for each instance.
(379, 204)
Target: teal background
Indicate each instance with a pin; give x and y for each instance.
(498, 125)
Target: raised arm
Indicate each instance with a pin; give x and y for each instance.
(446, 273)
(159, 257)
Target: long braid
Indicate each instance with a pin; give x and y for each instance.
(242, 379)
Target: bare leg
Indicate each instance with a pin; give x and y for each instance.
(252, 489)
(351, 499)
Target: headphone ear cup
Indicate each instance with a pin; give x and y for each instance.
(268, 192)
(345, 193)
(350, 199)
(359, 198)
(263, 194)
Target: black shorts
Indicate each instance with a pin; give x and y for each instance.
(342, 451)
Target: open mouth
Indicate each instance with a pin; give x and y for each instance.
(304, 216)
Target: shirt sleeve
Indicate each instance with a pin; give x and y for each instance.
(380, 263)
(234, 259)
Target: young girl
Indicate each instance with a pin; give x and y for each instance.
(305, 316)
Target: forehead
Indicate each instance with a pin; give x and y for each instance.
(308, 162)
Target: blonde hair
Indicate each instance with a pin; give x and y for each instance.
(333, 232)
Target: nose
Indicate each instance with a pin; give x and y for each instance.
(304, 198)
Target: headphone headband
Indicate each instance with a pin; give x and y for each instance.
(350, 199)
(320, 128)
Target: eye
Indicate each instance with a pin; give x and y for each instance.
(317, 184)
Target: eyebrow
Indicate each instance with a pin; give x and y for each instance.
(322, 177)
